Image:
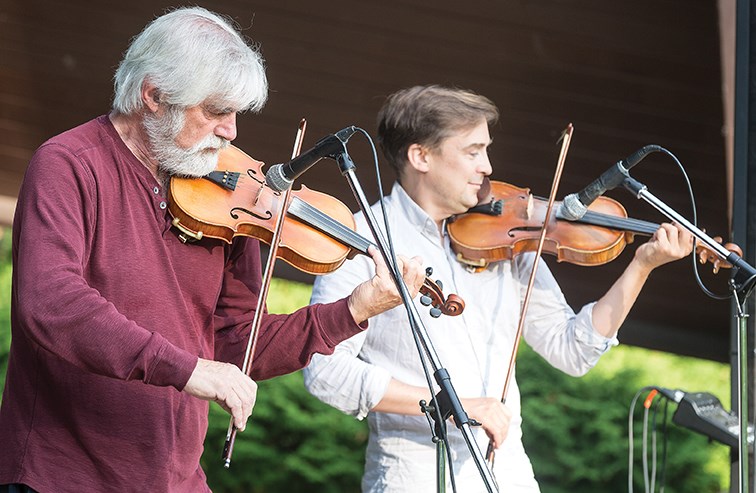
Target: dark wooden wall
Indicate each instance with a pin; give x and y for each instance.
(626, 74)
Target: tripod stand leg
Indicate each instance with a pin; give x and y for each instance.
(743, 448)
(440, 466)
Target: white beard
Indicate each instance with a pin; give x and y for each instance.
(197, 161)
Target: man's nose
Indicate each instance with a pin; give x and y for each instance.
(485, 166)
(226, 128)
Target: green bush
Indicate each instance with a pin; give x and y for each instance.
(575, 430)
(5, 296)
(293, 442)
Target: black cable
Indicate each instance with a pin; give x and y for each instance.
(645, 446)
(706, 290)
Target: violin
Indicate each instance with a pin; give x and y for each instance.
(508, 222)
(317, 236)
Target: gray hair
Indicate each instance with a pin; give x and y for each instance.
(192, 55)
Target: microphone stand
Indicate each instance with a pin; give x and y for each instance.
(741, 284)
(447, 397)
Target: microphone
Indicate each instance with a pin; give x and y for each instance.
(280, 176)
(575, 205)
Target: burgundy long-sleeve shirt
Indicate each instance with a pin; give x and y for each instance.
(110, 311)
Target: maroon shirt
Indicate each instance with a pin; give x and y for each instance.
(110, 312)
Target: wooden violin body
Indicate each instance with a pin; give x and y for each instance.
(511, 222)
(480, 238)
(234, 201)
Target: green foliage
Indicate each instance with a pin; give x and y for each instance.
(292, 443)
(287, 296)
(575, 429)
(5, 296)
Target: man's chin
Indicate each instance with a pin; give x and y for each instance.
(186, 172)
(469, 203)
(193, 168)
(183, 174)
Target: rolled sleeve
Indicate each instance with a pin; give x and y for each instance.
(345, 382)
(567, 340)
(588, 337)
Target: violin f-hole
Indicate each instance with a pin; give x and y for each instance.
(525, 229)
(233, 213)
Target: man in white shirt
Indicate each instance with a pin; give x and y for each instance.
(436, 140)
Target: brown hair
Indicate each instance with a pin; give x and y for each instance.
(427, 115)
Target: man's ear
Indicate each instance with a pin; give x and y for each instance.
(150, 96)
(417, 157)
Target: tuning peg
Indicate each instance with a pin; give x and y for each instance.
(425, 300)
(440, 285)
(429, 271)
(717, 261)
(435, 312)
(703, 256)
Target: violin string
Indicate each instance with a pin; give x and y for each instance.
(328, 225)
(316, 218)
(635, 225)
(321, 221)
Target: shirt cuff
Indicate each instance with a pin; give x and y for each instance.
(376, 383)
(173, 367)
(338, 321)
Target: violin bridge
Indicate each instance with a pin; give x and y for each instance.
(529, 207)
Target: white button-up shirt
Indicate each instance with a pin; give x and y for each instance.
(475, 347)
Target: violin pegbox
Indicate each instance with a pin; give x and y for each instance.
(432, 295)
(706, 255)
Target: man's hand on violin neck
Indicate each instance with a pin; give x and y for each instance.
(225, 384)
(669, 242)
(380, 293)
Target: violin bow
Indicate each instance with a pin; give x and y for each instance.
(228, 447)
(565, 138)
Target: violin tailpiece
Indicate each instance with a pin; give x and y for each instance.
(493, 208)
(225, 179)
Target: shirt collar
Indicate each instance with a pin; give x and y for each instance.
(413, 213)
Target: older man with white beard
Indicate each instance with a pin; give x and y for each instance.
(121, 333)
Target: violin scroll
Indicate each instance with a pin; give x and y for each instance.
(433, 296)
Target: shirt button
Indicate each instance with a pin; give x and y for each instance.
(156, 190)
(163, 205)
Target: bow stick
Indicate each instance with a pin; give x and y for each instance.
(228, 447)
(565, 138)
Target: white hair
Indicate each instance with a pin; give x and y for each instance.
(191, 55)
